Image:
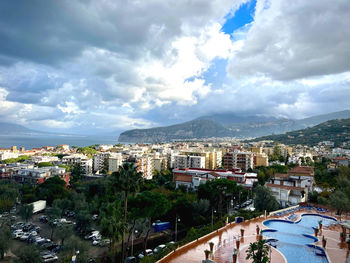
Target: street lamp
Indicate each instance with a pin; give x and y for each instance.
(177, 219)
(212, 217)
(132, 242)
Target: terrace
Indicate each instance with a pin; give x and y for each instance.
(224, 240)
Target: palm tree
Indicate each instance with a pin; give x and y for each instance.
(127, 180)
(258, 252)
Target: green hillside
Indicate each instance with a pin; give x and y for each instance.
(337, 131)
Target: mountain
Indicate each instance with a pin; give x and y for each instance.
(10, 128)
(187, 130)
(337, 131)
(226, 125)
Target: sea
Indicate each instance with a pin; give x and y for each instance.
(34, 141)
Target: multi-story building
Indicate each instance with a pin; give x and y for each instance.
(238, 159)
(188, 161)
(192, 178)
(293, 187)
(261, 159)
(43, 158)
(159, 164)
(100, 160)
(115, 162)
(39, 175)
(8, 170)
(8, 155)
(82, 159)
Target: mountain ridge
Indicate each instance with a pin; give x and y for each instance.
(216, 126)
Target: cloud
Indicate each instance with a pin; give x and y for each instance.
(100, 66)
(295, 39)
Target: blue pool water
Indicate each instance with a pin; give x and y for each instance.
(294, 239)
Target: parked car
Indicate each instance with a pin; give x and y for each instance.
(25, 236)
(43, 219)
(56, 249)
(94, 217)
(49, 258)
(130, 260)
(104, 242)
(92, 234)
(149, 252)
(159, 248)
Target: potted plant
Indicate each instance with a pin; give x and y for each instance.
(342, 237)
(234, 255)
(320, 224)
(242, 232)
(207, 253)
(324, 242)
(348, 242)
(257, 230)
(211, 245)
(237, 243)
(316, 231)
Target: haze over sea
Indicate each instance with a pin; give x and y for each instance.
(32, 141)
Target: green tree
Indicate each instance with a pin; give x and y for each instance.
(264, 200)
(218, 191)
(72, 246)
(5, 240)
(77, 172)
(127, 180)
(63, 232)
(53, 213)
(26, 212)
(258, 252)
(53, 188)
(339, 201)
(44, 164)
(9, 192)
(28, 254)
(111, 223)
(150, 205)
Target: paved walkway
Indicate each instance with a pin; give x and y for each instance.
(224, 240)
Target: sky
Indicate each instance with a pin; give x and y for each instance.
(105, 66)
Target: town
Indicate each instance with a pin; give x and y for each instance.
(67, 196)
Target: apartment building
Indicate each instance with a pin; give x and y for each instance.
(39, 175)
(293, 187)
(115, 162)
(261, 159)
(82, 159)
(192, 178)
(188, 161)
(99, 160)
(238, 159)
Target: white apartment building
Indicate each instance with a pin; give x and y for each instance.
(82, 159)
(99, 160)
(115, 162)
(41, 159)
(8, 155)
(188, 161)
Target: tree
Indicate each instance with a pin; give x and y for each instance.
(63, 232)
(339, 201)
(74, 244)
(264, 200)
(28, 254)
(44, 164)
(8, 195)
(53, 188)
(77, 172)
(53, 213)
(26, 212)
(127, 180)
(218, 191)
(258, 252)
(150, 205)
(111, 224)
(5, 240)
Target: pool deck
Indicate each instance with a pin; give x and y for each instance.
(225, 238)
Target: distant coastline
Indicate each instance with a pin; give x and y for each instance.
(32, 141)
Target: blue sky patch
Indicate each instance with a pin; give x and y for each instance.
(244, 15)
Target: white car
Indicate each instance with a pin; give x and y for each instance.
(96, 242)
(92, 235)
(25, 236)
(159, 248)
(94, 217)
(149, 252)
(49, 258)
(18, 234)
(33, 233)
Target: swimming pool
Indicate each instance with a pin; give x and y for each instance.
(295, 240)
